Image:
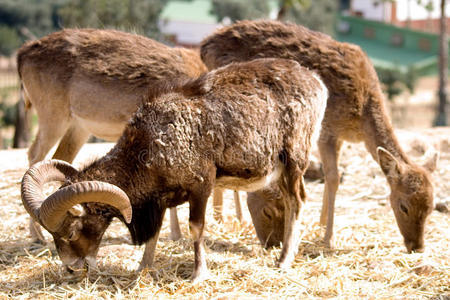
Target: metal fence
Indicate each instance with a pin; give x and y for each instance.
(8, 79)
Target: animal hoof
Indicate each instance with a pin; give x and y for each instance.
(144, 265)
(442, 207)
(37, 244)
(285, 265)
(199, 276)
(175, 236)
(327, 243)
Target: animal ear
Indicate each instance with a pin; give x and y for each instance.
(75, 230)
(388, 163)
(431, 164)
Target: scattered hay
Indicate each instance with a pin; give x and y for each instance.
(368, 259)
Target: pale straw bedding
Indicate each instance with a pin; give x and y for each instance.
(368, 259)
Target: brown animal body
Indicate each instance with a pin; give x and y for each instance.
(242, 126)
(85, 82)
(355, 112)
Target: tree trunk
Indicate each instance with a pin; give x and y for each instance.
(132, 13)
(441, 118)
(22, 125)
(282, 12)
(408, 14)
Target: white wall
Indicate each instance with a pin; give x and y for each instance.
(372, 10)
(417, 11)
(382, 11)
(188, 32)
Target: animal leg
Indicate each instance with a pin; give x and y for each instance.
(175, 232)
(218, 204)
(329, 153)
(237, 204)
(197, 209)
(149, 252)
(36, 232)
(71, 143)
(47, 136)
(294, 195)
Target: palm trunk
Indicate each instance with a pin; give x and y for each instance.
(282, 12)
(441, 118)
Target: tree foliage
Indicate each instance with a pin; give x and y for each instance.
(240, 10)
(21, 20)
(287, 5)
(131, 15)
(21, 17)
(395, 81)
(9, 40)
(319, 16)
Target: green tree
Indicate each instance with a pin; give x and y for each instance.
(20, 19)
(392, 82)
(288, 5)
(34, 14)
(395, 82)
(240, 10)
(320, 16)
(9, 40)
(131, 15)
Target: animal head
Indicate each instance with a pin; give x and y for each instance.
(411, 200)
(267, 211)
(77, 230)
(411, 196)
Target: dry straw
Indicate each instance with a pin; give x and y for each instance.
(368, 259)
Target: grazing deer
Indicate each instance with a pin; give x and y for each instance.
(355, 113)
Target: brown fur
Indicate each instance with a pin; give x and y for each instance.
(355, 110)
(110, 55)
(89, 82)
(90, 75)
(238, 125)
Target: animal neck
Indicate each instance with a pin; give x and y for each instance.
(378, 129)
(105, 169)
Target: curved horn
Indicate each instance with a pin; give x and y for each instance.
(53, 211)
(35, 178)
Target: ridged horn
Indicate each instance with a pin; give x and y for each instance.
(35, 178)
(53, 210)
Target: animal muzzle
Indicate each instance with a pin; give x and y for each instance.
(80, 265)
(77, 266)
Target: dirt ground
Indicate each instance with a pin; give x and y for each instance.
(368, 259)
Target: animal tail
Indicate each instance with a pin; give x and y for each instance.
(26, 99)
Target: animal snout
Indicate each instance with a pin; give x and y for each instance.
(77, 266)
(82, 264)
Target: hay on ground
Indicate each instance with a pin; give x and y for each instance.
(368, 259)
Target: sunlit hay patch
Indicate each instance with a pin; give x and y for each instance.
(368, 260)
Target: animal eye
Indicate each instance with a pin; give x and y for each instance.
(403, 208)
(73, 236)
(267, 213)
